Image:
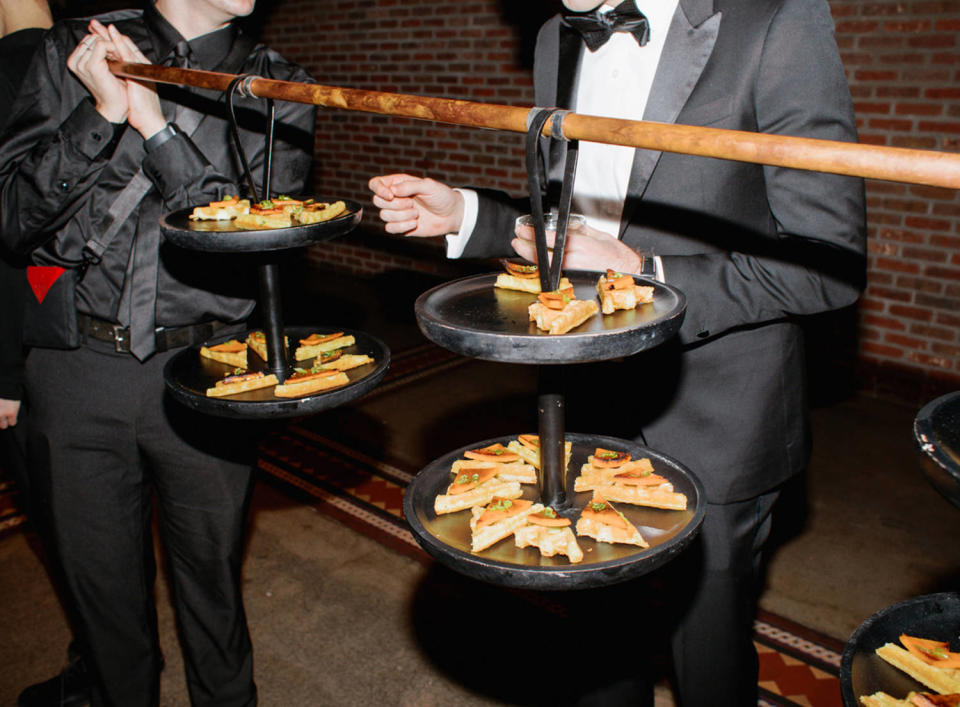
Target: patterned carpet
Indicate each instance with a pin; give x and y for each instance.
(365, 491)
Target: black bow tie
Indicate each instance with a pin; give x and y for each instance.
(597, 27)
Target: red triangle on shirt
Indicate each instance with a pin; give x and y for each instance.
(42, 277)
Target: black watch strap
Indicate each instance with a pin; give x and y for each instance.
(153, 142)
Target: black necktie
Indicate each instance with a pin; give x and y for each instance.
(139, 302)
(597, 27)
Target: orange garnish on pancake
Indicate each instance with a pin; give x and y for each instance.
(299, 376)
(607, 458)
(601, 511)
(501, 509)
(226, 201)
(529, 441)
(557, 299)
(494, 453)
(521, 270)
(232, 346)
(315, 339)
(935, 653)
(618, 281)
(639, 478)
(468, 478)
(548, 518)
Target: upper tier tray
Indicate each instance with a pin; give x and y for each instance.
(447, 536)
(188, 375)
(224, 237)
(473, 318)
(936, 430)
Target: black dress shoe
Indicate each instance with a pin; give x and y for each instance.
(71, 688)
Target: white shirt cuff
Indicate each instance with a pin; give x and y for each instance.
(456, 242)
(661, 277)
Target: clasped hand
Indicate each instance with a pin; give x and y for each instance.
(415, 206)
(116, 99)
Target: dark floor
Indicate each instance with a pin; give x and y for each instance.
(333, 613)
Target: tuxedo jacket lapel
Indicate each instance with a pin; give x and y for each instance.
(690, 41)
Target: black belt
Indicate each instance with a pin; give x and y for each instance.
(167, 337)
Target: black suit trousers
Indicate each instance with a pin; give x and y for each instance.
(106, 440)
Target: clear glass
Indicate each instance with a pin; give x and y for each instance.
(575, 224)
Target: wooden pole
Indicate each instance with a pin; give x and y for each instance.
(927, 167)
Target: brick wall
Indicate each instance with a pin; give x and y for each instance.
(903, 63)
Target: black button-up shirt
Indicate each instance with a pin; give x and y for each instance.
(62, 165)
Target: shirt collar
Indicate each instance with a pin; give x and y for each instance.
(208, 50)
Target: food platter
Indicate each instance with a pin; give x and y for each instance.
(188, 375)
(447, 537)
(936, 430)
(224, 237)
(862, 672)
(473, 318)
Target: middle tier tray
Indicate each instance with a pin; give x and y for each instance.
(447, 536)
(188, 375)
(225, 237)
(473, 318)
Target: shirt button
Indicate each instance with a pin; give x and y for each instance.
(64, 186)
(615, 73)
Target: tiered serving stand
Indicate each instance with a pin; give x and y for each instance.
(188, 375)
(474, 318)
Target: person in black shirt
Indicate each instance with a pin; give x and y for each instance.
(103, 435)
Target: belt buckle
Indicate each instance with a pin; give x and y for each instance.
(121, 338)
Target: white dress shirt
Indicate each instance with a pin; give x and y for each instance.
(614, 82)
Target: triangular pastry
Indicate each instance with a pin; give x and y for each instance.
(602, 522)
(549, 533)
(497, 520)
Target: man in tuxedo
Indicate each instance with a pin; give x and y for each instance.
(751, 246)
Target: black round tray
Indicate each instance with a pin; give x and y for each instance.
(473, 318)
(936, 430)
(863, 672)
(188, 375)
(447, 537)
(224, 237)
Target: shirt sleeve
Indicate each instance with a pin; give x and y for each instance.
(457, 242)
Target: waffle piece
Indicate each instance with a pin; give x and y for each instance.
(619, 291)
(518, 471)
(619, 478)
(498, 520)
(316, 344)
(226, 209)
(560, 311)
(232, 352)
(550, 534)
(527, 447)
(344, 362)
(476, 489)
(317, 212)
(913, 699)
(604, 523)
(241, 383)
(523, 277)
(257, 341)
(311, 381)
(916, 661)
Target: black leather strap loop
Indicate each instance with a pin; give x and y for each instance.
(549, 271)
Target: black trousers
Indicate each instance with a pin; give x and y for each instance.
(713, 587)
(105, 440)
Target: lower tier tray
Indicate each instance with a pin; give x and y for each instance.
(447, 536)
(863, 672)
(188, 375)
(936, 430)
(473, 318)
